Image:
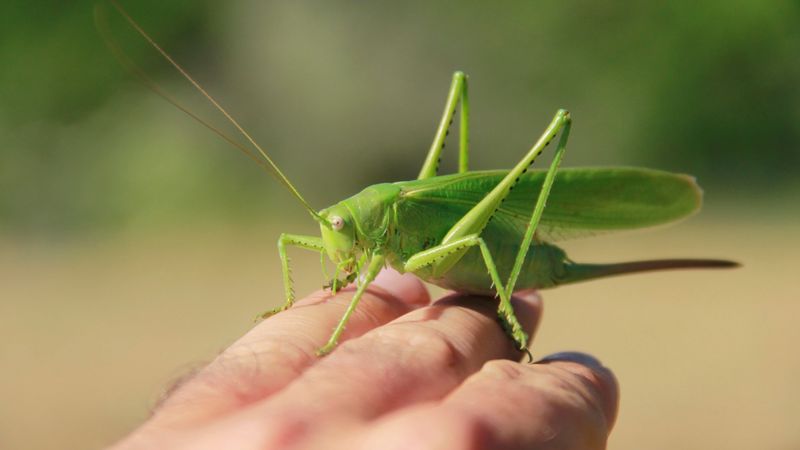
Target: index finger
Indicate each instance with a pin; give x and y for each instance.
(279, 349)
(419, 357)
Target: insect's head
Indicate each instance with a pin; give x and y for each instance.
(339, 238)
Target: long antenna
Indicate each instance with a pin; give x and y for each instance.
(265, 163)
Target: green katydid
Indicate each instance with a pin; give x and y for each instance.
(481, 232)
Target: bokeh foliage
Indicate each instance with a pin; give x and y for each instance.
(348, 93)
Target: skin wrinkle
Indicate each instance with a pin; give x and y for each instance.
(433, 427)
(173, 387)
(590, 387)
(289, 357)
(473, 318)
(479, 309)
(502, 370)
(371, 387)
(372, 314)
(442, 352)
(371, 295)
(238, 376)
(389, 344)
(230, 377)
(374, 309)
(418, 381)
(559, 396)
(578, 392)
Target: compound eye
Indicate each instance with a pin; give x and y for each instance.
(337, 223)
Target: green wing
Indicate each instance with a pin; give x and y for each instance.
(582, 202)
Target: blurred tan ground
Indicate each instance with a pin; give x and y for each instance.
(93, 331)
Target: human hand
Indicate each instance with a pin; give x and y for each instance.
(407, 375)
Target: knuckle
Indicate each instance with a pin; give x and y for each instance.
(373, 310)
(588, 389)
(428, 346)
(463, 430)
(432, 430)
(283, 431)
(240, 373)
(502, 369)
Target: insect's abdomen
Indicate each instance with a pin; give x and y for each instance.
(543, 267)
(421, 226)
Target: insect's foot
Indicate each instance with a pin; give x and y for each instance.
(521, 341)
(528, 353)
(270, 313)
(335, 285)
(325, 349)
(261, 316)
(514, 330)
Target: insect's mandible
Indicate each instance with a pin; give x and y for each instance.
(481, 232)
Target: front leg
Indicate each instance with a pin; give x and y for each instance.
(307, 242)
(336, 284)
(375, 266)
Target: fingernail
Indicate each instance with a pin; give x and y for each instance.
(405, 287)
(529, 296)
(584, 359)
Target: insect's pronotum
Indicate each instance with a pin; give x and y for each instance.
(481, 232)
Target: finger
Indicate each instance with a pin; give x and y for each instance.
(281, 347)
(567, 402)
(421, 356)
(601, 379)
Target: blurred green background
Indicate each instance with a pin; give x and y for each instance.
(134, 243)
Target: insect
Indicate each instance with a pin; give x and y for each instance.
(481, 232)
